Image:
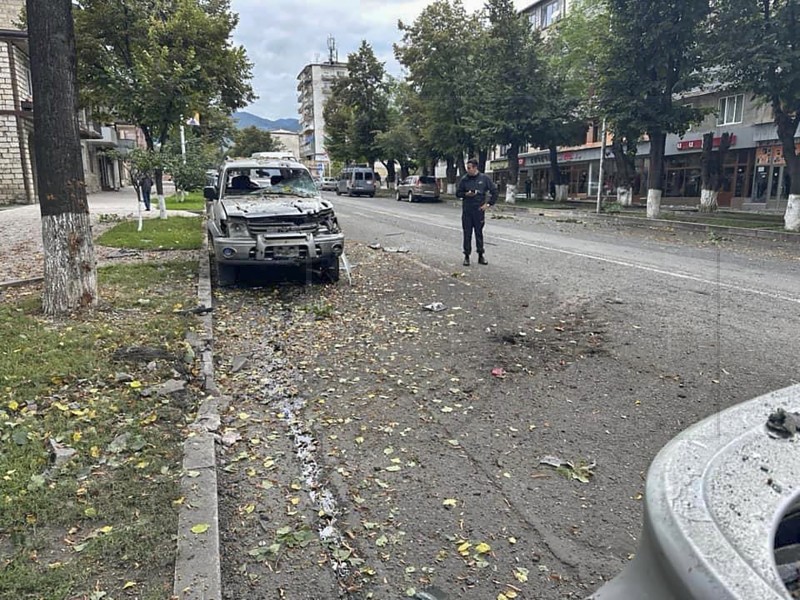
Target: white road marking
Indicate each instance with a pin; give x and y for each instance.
(613, 261)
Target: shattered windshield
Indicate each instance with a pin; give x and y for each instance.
(284, 181)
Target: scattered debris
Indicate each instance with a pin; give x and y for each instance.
(435, 307)
(60, 453)
(580, 471)
(197, 310)
(375, 246)
(239, 363)
(783, 424)
(400, 250)
(124, 253)
(499, 372)
(230, 437)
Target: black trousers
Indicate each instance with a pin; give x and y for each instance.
(472, 219)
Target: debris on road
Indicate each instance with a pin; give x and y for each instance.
(580, 471)
(783, 424)
(435, 307)
(499, 372)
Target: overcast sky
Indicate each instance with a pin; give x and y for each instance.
(282, 37)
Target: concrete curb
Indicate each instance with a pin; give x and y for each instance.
(770, 235)
(197, 562)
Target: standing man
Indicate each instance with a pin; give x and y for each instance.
(528, 186)
(473, 189)
(146, 184)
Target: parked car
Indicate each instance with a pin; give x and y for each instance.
(356, 181)
(268, 212)
(328, 184)
(417, 188)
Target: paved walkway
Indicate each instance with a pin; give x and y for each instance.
(21, 254)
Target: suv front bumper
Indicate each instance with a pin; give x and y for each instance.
(279, 249)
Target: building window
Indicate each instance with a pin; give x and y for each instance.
(730, 110)
(551, 12)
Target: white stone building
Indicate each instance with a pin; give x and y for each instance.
(290, 140)
(313, 89)
(17, 180)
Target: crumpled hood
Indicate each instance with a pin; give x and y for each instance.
(273, 206)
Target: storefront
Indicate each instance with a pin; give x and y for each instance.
(770, 177)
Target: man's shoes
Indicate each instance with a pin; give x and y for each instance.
(466, 261)
(482, 260)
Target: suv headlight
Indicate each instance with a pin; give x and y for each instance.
(237, 228)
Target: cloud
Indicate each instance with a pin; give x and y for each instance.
(282, 37)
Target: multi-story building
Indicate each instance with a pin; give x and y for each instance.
(17, 159)
(313, 89)
(17, 168)
(754, 172)
(290, 140)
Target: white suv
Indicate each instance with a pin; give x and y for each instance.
(267, 211)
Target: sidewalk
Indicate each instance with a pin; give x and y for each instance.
(21, 252)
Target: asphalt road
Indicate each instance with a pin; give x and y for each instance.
(733, 302)
(613, 340)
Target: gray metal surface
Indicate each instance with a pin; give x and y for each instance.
(715, 495)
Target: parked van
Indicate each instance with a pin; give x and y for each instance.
(356, 181)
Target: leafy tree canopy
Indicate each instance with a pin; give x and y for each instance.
(252, 139)
(154, 62)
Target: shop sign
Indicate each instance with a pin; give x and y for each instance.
(698, 144)
(498, 165)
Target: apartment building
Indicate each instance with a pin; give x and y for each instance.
(17, 179)
(313, 89)
(754, 171)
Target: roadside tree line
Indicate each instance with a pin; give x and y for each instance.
(474, 81)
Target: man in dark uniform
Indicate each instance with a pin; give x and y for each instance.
(473, 190)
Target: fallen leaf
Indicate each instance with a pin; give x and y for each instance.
(200, 528)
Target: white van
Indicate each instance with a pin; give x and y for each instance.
(356, 181)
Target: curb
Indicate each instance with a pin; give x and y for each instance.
(770, 235)
(197, 562)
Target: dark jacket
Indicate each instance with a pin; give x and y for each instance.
(146, 183)
(482, 185)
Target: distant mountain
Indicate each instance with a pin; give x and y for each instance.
(245, 119)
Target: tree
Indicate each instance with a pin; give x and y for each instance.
(653, 56)
(711, 174)
(508, 85)
(578, 55)
(756, 43)
(357, 109)
(252, 139)
(70, 276)
(439, 52)
(153, 62)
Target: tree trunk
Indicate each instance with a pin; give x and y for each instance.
(483, 156)
(787, 127)
(711, 170)
(391, 174)
(70, 276)
(452, 174)
(513, 173)
(555, 172)
(624, 162)
(658, 142)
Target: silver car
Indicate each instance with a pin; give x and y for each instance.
(417, 188)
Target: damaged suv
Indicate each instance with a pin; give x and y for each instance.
(269, 212)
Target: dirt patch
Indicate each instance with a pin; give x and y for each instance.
(375, 449)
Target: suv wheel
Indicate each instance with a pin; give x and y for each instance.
(410, 196)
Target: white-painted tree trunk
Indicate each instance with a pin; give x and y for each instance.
(162, 207)
(625, 196)
(451, 188)
(562, 192)
(69, 264)
(792, 216)
(708, 200)
(511, 194)
(653, 203)
(139, 205)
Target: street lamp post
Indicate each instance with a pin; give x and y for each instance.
(602, 159)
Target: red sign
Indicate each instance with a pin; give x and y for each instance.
(698, 144)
